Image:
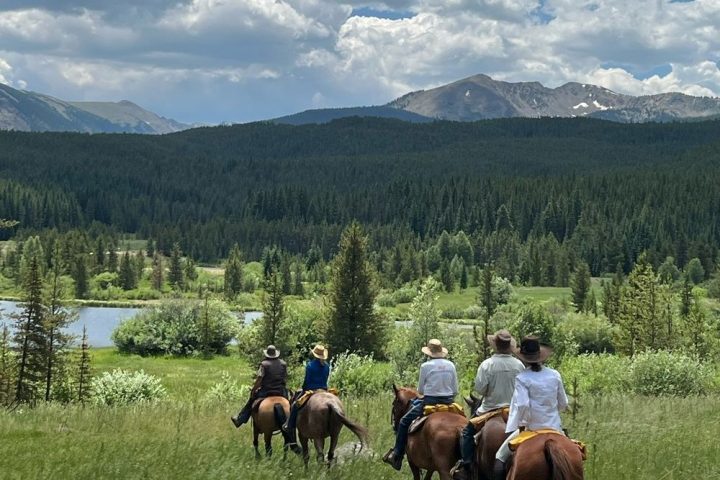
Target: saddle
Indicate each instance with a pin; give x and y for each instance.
(480, 421)
(428, 410)
(302, 400)
(528, 434)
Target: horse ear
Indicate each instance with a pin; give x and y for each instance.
(469, 402)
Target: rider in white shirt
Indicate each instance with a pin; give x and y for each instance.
(538, 399)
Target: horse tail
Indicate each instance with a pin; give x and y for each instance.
(559, 462)
(279, 413)
(359, 431)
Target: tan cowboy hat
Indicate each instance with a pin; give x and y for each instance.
(434, 349)
(532, 351)
(502, 342)
(271, 352)
(320, 352)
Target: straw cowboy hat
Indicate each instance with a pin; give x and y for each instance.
(434, 349)
(532, 351)
(320, 352)
(502, 342)
(271, 352)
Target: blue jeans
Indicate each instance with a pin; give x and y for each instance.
(416, 411)
(467, 444)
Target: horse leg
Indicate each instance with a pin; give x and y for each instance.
(415, 471)
(268, 444)
(333, 446)
(319, 448)
(428, 474)
(256, 441)
(305, 449)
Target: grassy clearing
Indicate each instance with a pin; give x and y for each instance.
(630, 438)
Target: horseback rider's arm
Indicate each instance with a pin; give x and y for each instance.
(421, 381)
(258, 379)
(481, 381)
(562, 396)
(520, 402)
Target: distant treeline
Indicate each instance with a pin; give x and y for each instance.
(519, 189)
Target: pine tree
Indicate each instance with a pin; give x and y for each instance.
(191, 273)
(696, 328)
(463, 278)
(128, 277)
(234, 273)
(425, 317)
(80, 276)
(32, 250)
(287, 285)
(580, 286)
(139, 265)
(30, 337)
(99, 255)
(354, 325)
(686, 296)
(84, 371)
(298, 288)
(150, 248)
(112, 263)
(175, 274)
(695, 271)
(273, 310)
(446, 276)
(7, 368)
(489, 304)
(158, 275)
(56, 320)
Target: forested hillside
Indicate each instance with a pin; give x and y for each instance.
(548, 191)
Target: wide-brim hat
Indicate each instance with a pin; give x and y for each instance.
(502, 341)
(271, 352)
(434, 349)
(319, 352)
(532, 351)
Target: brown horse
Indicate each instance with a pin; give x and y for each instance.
(547, 457)
(322, 417)
(267, 419)
(489, 440)
(435, 447)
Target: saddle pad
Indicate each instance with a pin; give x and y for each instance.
(528, 434)
(439, 408)
(309, 393)
(480, 421)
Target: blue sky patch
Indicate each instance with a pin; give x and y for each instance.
(388, 14)
(540, 15)
(640, 74)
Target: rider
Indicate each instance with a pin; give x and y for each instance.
(317, 372)
(438, 384)
(538, 399)
(270, 381)
(495, 381)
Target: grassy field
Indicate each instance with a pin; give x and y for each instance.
(183, 437)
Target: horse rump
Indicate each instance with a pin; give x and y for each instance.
(561, 465)
(359, 431)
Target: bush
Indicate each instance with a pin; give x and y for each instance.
(386, 300)
(227, 390)
(360, 376)
(590, 334)
(405, 294)
(125, 388)
(177, 328)
(473, 311)
(453, 313)
(665, 373)
(597, 374)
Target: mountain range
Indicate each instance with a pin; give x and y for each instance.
(30, 111)
(480, 97)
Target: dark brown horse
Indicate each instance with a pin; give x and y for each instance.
(547, 457)
(267, 419)
(322, 417)
(489, 440)
(435, 447)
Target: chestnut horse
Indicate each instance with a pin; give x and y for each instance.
(547, 457)
(435, 448)
(321, 417)
(266, 420)
(489, 440)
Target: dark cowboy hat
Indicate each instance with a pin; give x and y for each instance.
(532, 351)
(502, 341)
(271, 352)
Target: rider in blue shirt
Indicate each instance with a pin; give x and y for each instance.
(317, 372)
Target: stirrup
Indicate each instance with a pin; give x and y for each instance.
(460, 471)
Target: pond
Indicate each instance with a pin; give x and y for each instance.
(100, 321)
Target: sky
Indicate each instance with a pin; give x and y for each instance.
(213, 61)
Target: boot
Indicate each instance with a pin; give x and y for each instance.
(499, 470)
(461, 471)
(393, 460)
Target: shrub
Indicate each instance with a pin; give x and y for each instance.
(226, 390)
(121, 387)
(453, 313)
(665, 373)
(473, 311)
(405, 294)
(590, 334)
(386, 300)
(177, 328)
(597, 374)
(359, 375)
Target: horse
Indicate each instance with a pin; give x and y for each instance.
(435, 448)
(267, 419)
(547, 457)
(321, 417)
(489, 440)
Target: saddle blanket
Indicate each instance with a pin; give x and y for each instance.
(428, 410)
(480, 421)
(309, 393)
(528, 434)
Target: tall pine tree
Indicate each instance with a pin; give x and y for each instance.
(128, 277)
(234, 273)
(175, 274)
(580, 286)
